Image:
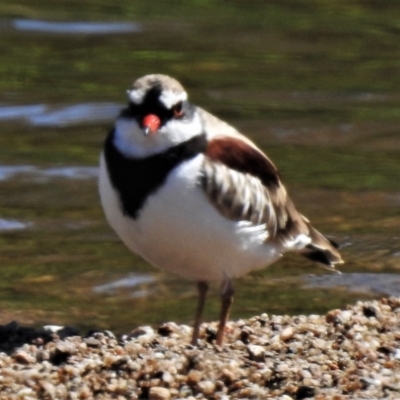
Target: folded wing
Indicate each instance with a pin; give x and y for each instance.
(243, 184)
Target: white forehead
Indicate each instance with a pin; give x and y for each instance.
(167, 97)
(171, 91)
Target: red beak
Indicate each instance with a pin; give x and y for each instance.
(151, 123)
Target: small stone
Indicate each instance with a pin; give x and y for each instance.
(369, 311)
(353, 386)
(276, 346)
(207, 387)
(194, 377)
(386, 350)
(23, 357)
(256, 353)
(332, 317)
(110, 359)
(228, 376)
(283, 368)
(319, 343)
(370, 382)
(143, 330)
(93, 342)
(165, 330)
(25, 393)
(49, 389)
(159, 393)
(59, 355)
(245, 334)
(85, 393)
(167, 377)
(109, 334)
(305, 392)
(286, 334)
(345, 316)
(305, 374)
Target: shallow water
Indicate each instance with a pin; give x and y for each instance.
(383, 284)
(44, 116)
(316, 86)
(133, 282)
(75, 28)
(34, 173)
(11, 225)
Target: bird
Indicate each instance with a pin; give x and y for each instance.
(191, 195)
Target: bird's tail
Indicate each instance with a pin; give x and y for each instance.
(322, 250)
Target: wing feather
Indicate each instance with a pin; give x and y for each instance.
(244, 185)
(237, 196)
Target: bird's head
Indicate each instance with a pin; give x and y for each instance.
(157, 117)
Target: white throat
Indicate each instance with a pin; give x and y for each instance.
(130, 140)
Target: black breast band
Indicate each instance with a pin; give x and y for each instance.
(135, 179)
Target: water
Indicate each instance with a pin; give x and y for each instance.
(74, 28)
(43, 116)
(383, 284)
(37, 174)
(318, 88)
(11, 225)
(131, 282)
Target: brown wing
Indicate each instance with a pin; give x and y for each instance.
(243, 184)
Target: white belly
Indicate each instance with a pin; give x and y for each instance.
(180, 231)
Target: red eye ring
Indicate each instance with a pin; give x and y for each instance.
(178, 110)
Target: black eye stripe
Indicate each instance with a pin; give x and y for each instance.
(152, 105)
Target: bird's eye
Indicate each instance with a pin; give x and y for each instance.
(178, 110)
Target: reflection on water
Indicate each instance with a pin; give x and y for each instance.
(130, 282)
(11, 171)
(87, 28)
(18, 112)
(43, 115)
(70, 172)
(10, 225)
(76, 114)
(385, 284)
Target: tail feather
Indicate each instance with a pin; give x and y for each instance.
(333, 243)
(322, 250)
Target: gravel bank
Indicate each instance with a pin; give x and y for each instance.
(345, 354)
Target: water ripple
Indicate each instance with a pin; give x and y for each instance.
(72, 28)
(10, 225)
(11, 171)
(387, 284)
(43, 115)
(131, 281)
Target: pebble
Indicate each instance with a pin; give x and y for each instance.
(23, 357)
(343, 355)
(286, 334)
(256, 353)
(159, 393)
(194, 377)
(207, 387)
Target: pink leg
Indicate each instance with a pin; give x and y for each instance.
(202, 288)
(227, 292)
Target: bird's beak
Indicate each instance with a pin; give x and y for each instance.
(150, 124)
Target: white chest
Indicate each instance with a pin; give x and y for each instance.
(180, 231)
